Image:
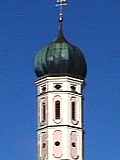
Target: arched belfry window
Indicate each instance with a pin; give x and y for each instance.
(57, 114)
(57, 109)
(73, 110)
(43, 112)
(74, 118)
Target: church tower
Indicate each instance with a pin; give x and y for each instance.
(60, 68)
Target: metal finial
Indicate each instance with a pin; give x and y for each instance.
(61, 4)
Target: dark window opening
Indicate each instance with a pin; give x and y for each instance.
(43, 112)
(43, 145)
(57, 143)
(44, 89)
(58, 86)
(57, 110)
(73, 88)
(73, 111)
(73, 144)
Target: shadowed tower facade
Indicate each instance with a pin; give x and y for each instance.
(60, 68)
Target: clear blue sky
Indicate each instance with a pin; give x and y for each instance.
(27, 26)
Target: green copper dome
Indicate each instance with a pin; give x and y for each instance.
(60, 58)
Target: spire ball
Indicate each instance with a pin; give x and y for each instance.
(60, 18)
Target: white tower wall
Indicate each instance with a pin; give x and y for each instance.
(60, 118)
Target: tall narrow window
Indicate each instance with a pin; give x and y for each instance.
(57, 109)
(73, 111)
(43, 112)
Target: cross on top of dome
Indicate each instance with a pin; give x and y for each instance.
(61, 4)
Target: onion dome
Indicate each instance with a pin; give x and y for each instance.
(60, 58)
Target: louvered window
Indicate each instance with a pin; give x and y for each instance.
(43, 112)
(57, 109)
(73, 111)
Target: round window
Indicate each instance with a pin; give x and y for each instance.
(43, 145)
(57, 143)
(73, 144)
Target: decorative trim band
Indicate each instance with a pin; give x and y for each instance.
(50, 126)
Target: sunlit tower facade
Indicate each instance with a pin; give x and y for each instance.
(60, 68)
